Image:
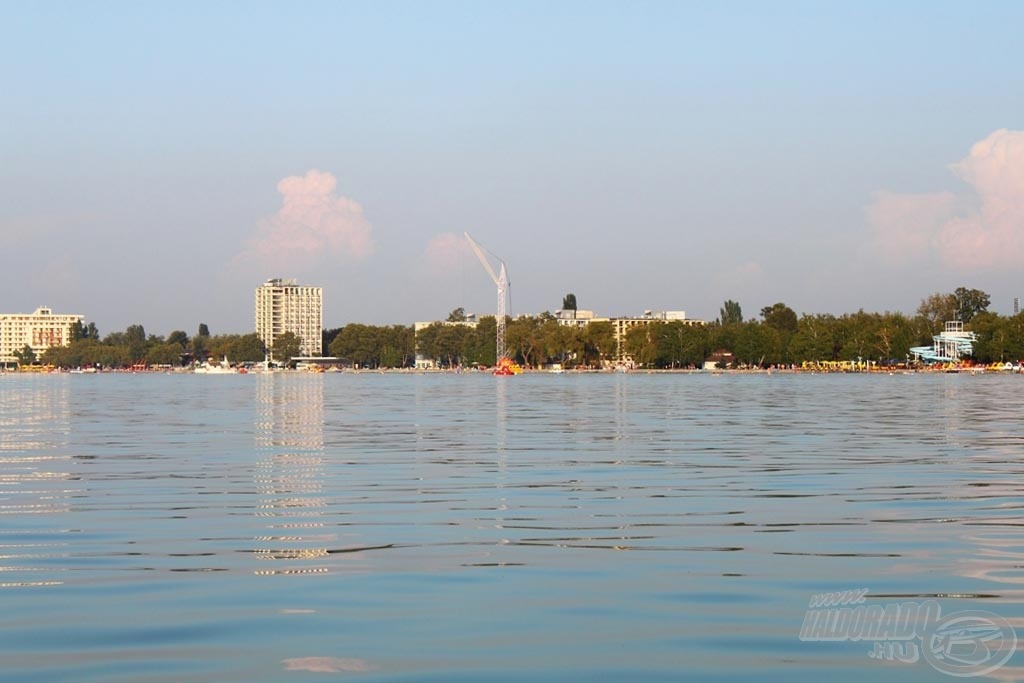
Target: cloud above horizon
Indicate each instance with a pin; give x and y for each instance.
(313, 224)
(983, 227)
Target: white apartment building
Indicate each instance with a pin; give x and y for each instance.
(284, 306)
(39, 330)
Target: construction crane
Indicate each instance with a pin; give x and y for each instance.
(501, 280)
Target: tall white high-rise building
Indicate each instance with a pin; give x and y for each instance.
(284, 306)
(39, 330)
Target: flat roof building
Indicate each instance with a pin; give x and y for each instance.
(573, 318)
(39, 330)
(285, 306)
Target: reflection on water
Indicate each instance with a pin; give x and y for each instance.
(36, 482)
(33, 414)
(466, 527)
(290, 473)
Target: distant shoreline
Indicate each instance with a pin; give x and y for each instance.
(975, 370)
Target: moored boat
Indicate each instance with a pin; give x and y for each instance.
(221, 368)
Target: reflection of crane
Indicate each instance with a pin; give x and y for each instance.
(501, 280)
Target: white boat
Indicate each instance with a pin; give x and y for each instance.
(221, 368)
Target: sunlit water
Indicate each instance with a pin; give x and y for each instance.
(473, 528)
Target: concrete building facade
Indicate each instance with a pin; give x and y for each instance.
(285, 306)
(39, 330)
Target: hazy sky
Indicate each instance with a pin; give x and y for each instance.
(159, 160)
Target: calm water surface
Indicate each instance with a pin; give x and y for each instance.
(472, 528)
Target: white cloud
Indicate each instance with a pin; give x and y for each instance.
(980, 228)
(313, 224)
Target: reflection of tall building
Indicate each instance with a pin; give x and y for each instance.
(39, 330)
(34, 418)
(291, 412)
(36, 476)
(284, 306)
(289, 475)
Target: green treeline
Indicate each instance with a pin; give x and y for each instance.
(880, 337)
(777, 337)
(532, 341)
(774, 340)
(133, 347)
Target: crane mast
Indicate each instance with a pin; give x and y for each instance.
(501, 281)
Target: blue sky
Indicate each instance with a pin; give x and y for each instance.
(641, 155)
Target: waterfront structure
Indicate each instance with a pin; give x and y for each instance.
(948, 346)
(39, 330)
(282, 305)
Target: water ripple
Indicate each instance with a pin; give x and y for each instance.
(450, 523)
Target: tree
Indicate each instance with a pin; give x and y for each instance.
(641, 344)
(286, 347)
(25, 356)
(200, 345)
(178, 337)
(569, 302)
(164, 354)
(426, 342)
(757, 344)
(450, 342)
(135, 339)
(524, 340)
(403, 339)
(574, 347)
(814, 339)
(857, 336)
(731, 312)
(135, 333)
(938, 308)
(478, 346)
(780, 316)
(599, 342)
(204, 331)
(895, 336)
(970, 302)
(328, 336)
(84, 331)
(238, 348)
(457, 315)
(247, 348)
(679, 344)
(556, 342)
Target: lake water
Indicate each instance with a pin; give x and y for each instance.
(401, 527)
